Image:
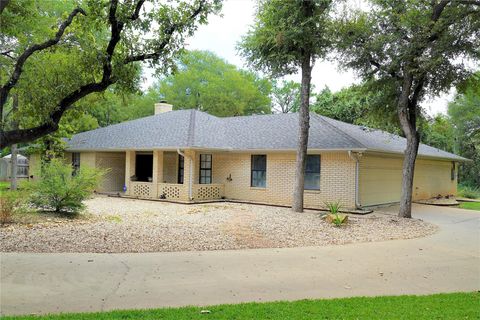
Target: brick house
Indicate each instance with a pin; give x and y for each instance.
(188, 155)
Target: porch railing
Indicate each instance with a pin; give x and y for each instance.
(174, 191)
(207, 191)
(142, 189)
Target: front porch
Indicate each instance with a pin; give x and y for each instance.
(171, 175)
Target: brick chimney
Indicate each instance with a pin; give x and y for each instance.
(162, 107)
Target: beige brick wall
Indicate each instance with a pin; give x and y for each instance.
(381, 179)
(337, 179)
(170, 166)
(114, 164)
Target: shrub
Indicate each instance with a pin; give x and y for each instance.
(60, 190)
(10, 203)
(334, 217)
(468, 192)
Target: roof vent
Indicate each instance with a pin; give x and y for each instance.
(163, 107)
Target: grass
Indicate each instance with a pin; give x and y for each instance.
(468, 192)
(438, 306)
(470, 205)
(4, 185)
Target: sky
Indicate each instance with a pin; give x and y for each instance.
(222, 33)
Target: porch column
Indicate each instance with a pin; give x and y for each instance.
(157, 175)
(129, 169)
(189, 173)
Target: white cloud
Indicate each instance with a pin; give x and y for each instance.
(222, 34)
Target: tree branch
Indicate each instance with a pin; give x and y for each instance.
(168, 32)
(17, 71)
(136, 12)
(52, 123)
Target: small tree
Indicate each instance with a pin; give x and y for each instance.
(60, 189)
(288, 36)
(418, 48)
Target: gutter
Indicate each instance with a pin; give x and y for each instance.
(190, 180)
(356, 157)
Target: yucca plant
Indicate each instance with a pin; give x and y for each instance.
(334, 216)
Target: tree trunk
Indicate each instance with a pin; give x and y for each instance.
(14, 150)
(303, 127)
(407, 176)
(407, 114)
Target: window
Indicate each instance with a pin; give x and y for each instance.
(452, 172)
(312, 173)
(205, 169)
(76, 162)
(259, 171)
(181, 163)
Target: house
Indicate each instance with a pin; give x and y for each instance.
(188, 155)
(6, 167)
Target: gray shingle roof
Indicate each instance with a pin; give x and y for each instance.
(195, 129)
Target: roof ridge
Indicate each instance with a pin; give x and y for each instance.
(258, 115)
(191, 129)
(338, 129)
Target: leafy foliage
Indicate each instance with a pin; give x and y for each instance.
(413, 47)
(280, 35)
(285, 37)
(60, 190)
(365, 104)
(439, 132)
(91, 47)
(206, 82)
(464, 113)
(286, 96)
(468, 192)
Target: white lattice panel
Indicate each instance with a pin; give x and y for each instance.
(205, 192)
(142, 190)
(170, 191)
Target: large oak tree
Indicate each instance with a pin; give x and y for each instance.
(94, 45)
(287, 36)
(419, 48)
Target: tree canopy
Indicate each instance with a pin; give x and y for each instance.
(285, 37)
(464, 113)
(206, 82)
(56, 53)
(414, 48)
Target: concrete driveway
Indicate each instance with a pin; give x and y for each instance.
(447, 261)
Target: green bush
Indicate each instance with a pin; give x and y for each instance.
(59, 189)
(468, 192)
(11, 203)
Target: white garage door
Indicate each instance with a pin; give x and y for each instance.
(380, 180)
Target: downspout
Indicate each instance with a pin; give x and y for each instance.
(354, 157)
(190, 180)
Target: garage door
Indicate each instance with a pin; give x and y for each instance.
(114, 179)
(380, 180)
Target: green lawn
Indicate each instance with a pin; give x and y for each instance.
(4, 185)
(439, 306)
(470, 205)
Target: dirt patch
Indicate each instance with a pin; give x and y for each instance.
(125, 225)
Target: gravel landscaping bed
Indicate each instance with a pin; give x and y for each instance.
(125, 225)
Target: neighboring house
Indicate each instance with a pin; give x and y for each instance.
(188, 155)
(6, 167)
